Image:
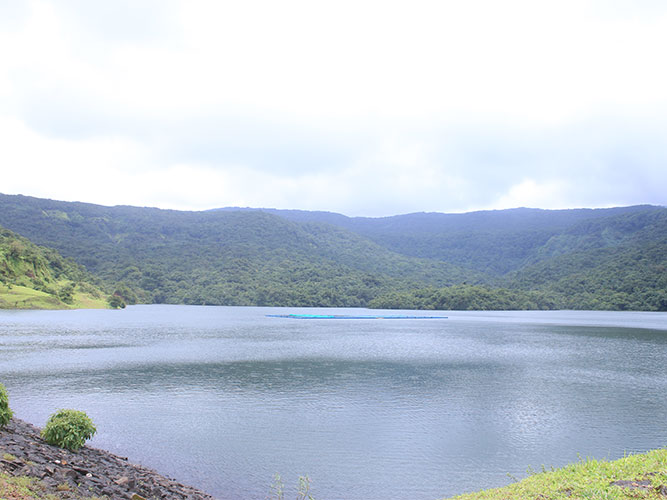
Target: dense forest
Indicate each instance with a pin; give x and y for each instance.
(506, 259)
(38, 277)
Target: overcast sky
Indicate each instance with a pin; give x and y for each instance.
(359, 107)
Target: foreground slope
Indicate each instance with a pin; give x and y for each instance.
(642, 476)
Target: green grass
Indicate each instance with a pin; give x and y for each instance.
(21, 297)
(29, 488)
(17, 488)
(588, 479)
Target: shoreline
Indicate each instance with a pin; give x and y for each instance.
(86, 472)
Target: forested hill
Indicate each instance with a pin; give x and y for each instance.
(497, 241)
(521, 258)
(222, 257)
(564, 259)
(36, 277)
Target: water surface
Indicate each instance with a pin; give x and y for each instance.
(223, 397)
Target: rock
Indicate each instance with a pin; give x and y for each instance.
(633, 485)
(88, 472)
(126, 482)
(644, 485)
(71, 474)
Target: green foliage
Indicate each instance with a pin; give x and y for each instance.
(465, 297)
(278, 489)
(68, 429)
(590, 479)
(505, 259)
(5, 412)
(632, 277)
(116, 302)
(66, 293)
(221, 257)
(39, 277)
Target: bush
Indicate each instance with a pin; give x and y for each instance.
(116, 302)
(68, 429)
(5, 411)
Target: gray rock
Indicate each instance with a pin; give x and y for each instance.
(88, 471)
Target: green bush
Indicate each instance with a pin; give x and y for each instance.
(5, 411)
(116, 301)
(68, 429)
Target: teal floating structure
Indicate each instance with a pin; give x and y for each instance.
(346, 316)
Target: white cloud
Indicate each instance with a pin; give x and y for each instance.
(363, 107)
(529, 193)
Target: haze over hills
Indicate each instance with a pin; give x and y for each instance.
(604, 258)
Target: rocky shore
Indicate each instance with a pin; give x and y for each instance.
(86, 473)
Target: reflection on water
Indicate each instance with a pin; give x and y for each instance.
(224, 398)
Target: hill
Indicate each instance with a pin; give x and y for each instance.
(614, 260)
(33, 277)
(506, 259)
(495, 242)
(222, 257)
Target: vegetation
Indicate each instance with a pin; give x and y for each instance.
(500, 241)
(642, 476)
(37, 277)
(466, 297)
(18, 488)
(30, 488)
(5, 412)
(507, 259)
(302, 493)
(68, 429)
(220, 257)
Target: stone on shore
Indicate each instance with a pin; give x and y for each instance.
(87, 472)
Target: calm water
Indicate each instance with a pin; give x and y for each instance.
(224, 398)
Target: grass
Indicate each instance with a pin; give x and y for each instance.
(589, 479)
(28, 488)
(17, 488)
(21, 297)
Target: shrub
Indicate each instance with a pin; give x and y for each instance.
(68, 429)
(116, 302)
(278, 489)
(5, 411)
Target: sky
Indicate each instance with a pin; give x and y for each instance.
(364, 107)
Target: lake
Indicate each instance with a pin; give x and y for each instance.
(225, 397)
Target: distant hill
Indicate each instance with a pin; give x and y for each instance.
(570, 259)
(521, 258)
(33, 277)
(617, 262)
(495, 242)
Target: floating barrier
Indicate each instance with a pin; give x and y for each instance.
(345, 316)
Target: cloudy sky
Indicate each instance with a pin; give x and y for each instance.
(360, 107)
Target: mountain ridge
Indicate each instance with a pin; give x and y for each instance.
(252, 256)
